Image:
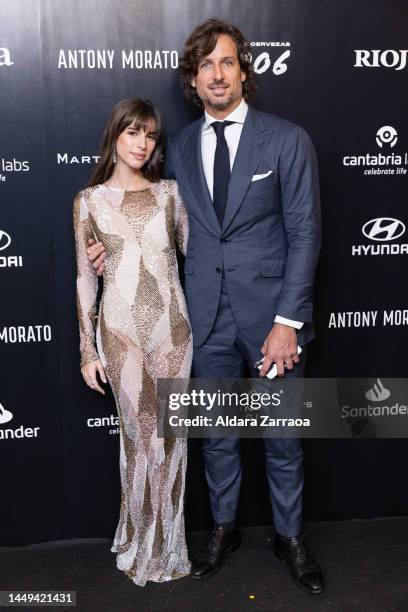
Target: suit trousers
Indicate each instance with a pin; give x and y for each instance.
(225, 354)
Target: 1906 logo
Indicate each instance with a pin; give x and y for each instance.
(263, 62)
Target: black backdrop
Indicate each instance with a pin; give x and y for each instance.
(339, 70)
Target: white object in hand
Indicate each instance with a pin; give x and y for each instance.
(274, 370)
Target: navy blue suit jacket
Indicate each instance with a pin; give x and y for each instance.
(270, 240)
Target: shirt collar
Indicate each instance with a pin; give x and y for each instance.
(238, 115)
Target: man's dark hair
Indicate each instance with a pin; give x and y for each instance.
(201, 43)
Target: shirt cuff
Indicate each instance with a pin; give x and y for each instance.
(284, 321)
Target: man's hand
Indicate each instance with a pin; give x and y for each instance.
(280, 347)
(96, 255)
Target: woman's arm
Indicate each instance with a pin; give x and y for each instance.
(86, 293)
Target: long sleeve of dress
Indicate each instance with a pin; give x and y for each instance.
(87, 282)
(181, 222)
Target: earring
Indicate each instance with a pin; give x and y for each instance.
(114, 158)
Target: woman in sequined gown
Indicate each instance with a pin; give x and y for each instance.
(142, 332)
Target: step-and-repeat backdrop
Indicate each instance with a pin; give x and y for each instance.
(340, 71)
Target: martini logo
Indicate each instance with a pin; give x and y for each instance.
(377, 393)
(76, 160)
(269, 60)
(386, 135)
(5, 415)
(375, 58)
(12, 261)
(382, 230)
(5, 57)
(19, 432)
(383, 162)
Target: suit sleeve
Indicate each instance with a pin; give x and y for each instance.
(87, 282)
(181, 221)
(168, 171)
(299, 181)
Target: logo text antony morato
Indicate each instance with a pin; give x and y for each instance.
(368, 318)
(375, 58)
(25, 333)
(267, 61)
(108, 59)
(19, 432)
(68, 159)
(11, 261)
(383, 163)
(382, 230)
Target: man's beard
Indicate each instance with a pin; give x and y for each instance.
(220, 104)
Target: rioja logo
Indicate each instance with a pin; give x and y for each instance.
(377, 58)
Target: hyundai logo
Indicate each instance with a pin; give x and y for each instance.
(5, 240)
(383, 228)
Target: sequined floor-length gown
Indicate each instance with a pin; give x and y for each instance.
(142, 333)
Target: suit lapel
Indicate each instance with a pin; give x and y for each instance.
(254, 138)
(193, 166)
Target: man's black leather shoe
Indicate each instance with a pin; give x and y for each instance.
(305, 571)
(209, 560)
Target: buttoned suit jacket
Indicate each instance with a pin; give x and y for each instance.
(268, 246)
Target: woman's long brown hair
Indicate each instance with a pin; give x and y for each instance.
(132, 111)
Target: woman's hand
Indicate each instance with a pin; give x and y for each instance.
(89, 372)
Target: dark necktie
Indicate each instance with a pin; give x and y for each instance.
(221, 170)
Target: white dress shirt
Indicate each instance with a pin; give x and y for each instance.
(208, 145)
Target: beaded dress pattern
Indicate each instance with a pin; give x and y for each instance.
(141, 332)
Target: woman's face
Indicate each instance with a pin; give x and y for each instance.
(135, 146)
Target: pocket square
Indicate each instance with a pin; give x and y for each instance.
(258, 177)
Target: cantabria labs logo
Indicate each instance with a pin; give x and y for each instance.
(387, 135)
(383, 231)
(110, 422)
(12, 261)
(385, 162)
(11, 166)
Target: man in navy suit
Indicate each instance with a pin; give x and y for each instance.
(249, 181)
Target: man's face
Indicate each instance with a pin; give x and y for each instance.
(219, 78)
